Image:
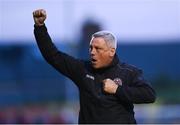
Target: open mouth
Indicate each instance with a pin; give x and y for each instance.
(93, 60)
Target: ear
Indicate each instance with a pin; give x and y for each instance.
(112, 52)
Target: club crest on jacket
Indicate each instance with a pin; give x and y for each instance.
(118, 81)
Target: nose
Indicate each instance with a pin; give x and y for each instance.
(92, 51)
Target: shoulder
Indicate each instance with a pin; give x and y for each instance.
(131, 68)
(87, 64)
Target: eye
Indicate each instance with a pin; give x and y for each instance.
(98, 48)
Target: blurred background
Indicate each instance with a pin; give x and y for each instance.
(148, 33)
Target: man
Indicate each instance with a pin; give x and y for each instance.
(108, 88)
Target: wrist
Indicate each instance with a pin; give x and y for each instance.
(115, 88)
(39, 24)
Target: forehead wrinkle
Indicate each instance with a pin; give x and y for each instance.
(98, 41)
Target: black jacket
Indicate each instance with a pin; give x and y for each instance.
(96, 106)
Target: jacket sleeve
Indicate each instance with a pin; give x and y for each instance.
(139, 90)
(62, 62)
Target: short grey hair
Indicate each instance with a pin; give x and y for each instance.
(108, 37)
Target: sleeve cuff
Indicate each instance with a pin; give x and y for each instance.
(43, 27)
(119, 91)
(121, 94)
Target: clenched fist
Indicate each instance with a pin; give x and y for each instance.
(39, 17)
(109, 86)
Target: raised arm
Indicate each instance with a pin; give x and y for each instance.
(62, 62)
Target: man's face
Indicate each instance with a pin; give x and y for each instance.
(101, 55)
